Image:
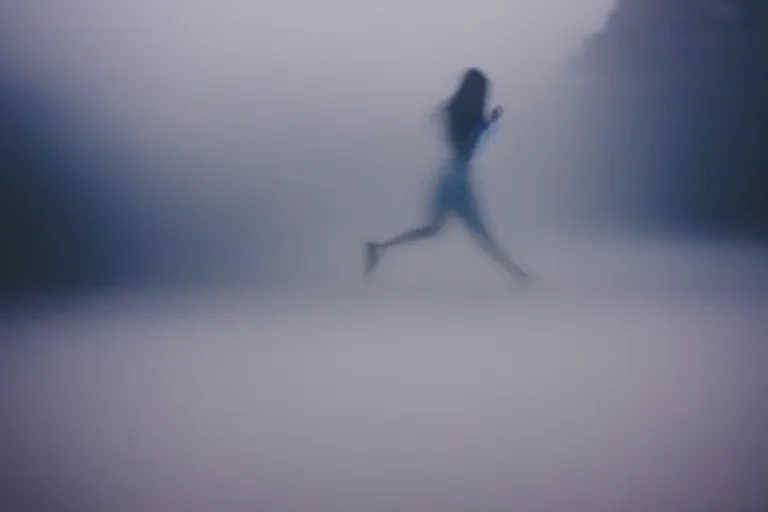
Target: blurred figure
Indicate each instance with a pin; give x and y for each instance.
(466, 127)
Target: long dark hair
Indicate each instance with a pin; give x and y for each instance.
(465, 111)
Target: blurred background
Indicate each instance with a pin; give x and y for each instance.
(185, 190)
(182, 141)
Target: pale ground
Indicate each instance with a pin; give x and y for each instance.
(631, 381)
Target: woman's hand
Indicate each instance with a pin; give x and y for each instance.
(496, 113)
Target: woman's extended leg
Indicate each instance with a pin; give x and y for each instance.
(426, 231)
(438, 212)
(374, 251)
(470, 214)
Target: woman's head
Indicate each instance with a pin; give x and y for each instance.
(473, 88)
(466, 109)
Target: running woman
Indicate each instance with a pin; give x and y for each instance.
(466, 126)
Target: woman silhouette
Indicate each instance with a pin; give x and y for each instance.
(466, 124)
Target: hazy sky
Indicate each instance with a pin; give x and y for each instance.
(196, 57)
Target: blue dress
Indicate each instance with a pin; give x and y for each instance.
(453, 193)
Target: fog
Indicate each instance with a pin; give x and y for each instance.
(311, 118)
(634, 394)
(260, 144)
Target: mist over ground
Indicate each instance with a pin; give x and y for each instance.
(644, 396)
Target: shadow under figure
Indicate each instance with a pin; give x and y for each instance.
(466, 127)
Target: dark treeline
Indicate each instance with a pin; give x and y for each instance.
(75, 214)
(676, 96)
(57, 227)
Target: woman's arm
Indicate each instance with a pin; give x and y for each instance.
(489, 126)
(496, 114)
(492, 119)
